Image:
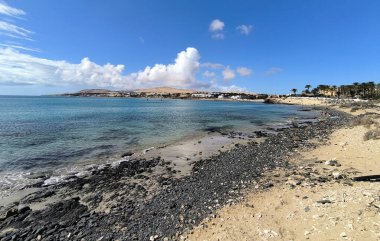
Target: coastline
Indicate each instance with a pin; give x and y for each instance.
(317, 197)
(139, 199)
(182, 152)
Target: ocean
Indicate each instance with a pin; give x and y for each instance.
(47, 133)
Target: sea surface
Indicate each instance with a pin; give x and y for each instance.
(46, 133)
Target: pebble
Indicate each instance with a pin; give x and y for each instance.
(331, 162)
(293, 182)
(337, 175)
(153, 238)
(324, 201)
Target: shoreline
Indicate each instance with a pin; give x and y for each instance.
(130, 199)
(317, 198)
(182, 154)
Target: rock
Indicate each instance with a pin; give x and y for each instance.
(38, 175)
(153, 238)
(11, 212)
(270, 233)
(343, 235)
(324, 201)
(337, 175)
(182, 238)
(267, 185)
(23, 209)
(126, 154)
(367, 193)
(293, 182)
(332, 162)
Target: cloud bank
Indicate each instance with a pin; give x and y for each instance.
(23, 69)
(20, 68)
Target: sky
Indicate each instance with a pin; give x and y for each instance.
(270, 46)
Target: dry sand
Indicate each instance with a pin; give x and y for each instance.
(292, 209)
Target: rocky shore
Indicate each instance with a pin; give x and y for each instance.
(331, 192)
(143, 199)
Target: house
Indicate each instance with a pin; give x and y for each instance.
(201, 95)
(236, 97)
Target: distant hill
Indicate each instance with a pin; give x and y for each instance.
(95, 91)
(166, 90)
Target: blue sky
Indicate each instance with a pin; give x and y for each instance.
(259, 46)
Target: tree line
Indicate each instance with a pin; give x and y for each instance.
(365, 90)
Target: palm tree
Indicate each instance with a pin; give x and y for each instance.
(371, 88)
(356, 88)
(294, 91)
(307, 87)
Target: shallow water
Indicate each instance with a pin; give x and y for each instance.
(45, 133)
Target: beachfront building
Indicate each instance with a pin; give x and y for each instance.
(201, 95)
(236, 97)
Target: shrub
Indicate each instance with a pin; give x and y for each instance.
(354, 109)
(372, 134)
(363, 121)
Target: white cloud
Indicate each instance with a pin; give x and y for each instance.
(272, 71)
(216, 25)
(212, 65)
(20, 68)
(216, 28)
(14, 31)
(180, 74)
(8, 28)
(218, 36)
(17, 68)
(208, 74)
(10, 11)
(244, 71)
(228, 74)
(14, 46)
(244, 29)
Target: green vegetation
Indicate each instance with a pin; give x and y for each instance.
(365, 90)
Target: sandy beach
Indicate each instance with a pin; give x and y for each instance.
(316, 199)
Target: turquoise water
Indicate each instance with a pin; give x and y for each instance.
(38, 133)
